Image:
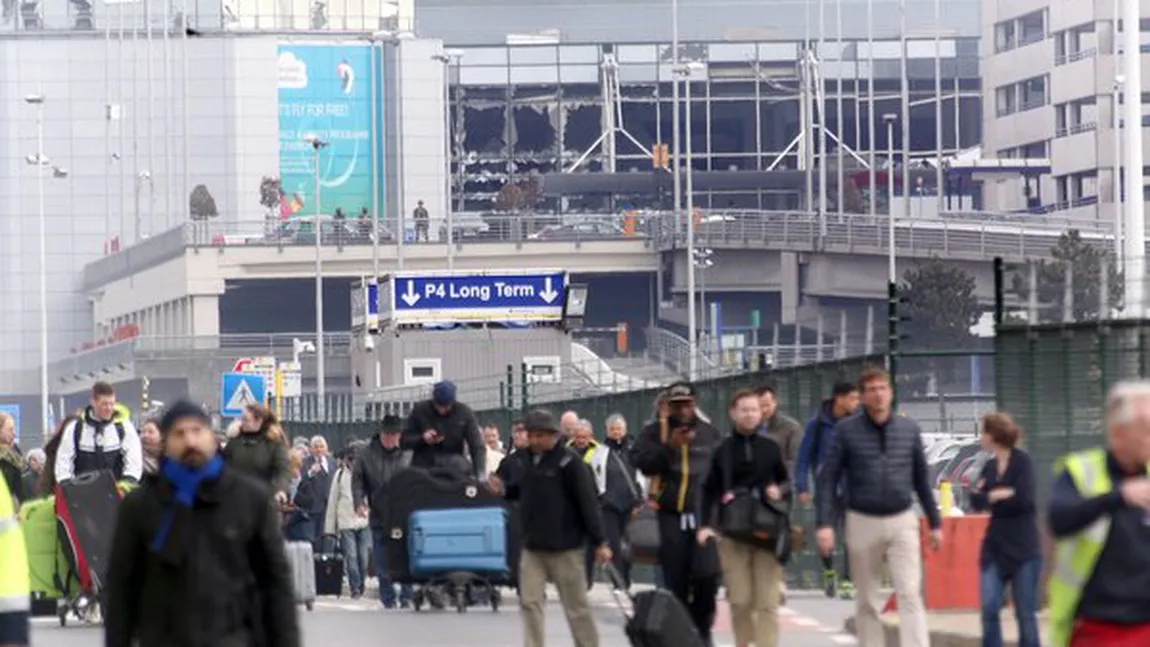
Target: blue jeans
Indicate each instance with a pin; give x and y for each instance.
(386, 588)
(1024, 589)
(356, 545)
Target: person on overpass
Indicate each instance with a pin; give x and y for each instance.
(15, 580)
(437, 430)
(197, 557)
(99, 440)
(1099, 591)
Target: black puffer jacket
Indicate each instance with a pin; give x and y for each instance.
(680, 472)
(234, 588)
(884, 464)
(459, 431)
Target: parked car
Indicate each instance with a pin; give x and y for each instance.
(589, 230)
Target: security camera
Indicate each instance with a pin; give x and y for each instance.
(368, 343)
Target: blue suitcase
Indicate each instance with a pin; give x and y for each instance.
(473, 540)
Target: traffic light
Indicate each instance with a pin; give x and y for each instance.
(660, 157)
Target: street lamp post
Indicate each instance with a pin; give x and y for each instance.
(447, 58)
(321, 386)
(42, 163)
(890, 119)
(684, 71)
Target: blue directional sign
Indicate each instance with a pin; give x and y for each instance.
(478, 297)
(14, 411)
(240, 390)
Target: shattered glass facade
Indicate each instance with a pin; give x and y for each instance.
(520, 110)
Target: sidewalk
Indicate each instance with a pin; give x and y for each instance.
(954, 629)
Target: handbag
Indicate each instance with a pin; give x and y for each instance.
(746, 515)
(643, 536)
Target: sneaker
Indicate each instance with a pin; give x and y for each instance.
(830, 578)
(405, 604)
(389, 605)
(846, 590)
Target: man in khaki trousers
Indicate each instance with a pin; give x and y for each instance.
(559, 514)
(882, 457)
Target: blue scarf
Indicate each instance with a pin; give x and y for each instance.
(185, 481)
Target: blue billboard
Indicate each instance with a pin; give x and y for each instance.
(325, 90)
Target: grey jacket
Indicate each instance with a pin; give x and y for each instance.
(788, 433)
(885, 466)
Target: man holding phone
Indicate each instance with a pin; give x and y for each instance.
(675, 451)
(438, 429)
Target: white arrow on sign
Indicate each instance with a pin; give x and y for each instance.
(548, 294)
(410, 297)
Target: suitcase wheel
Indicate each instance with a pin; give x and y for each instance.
(496, 599)
(309, 605)
(62, 613)
(417, 599)
(461, 602)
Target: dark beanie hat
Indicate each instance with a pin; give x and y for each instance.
(179, 410)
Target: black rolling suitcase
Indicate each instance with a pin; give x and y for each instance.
(328, 574)
(86, 508)
(657, 618)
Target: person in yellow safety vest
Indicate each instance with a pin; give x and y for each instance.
(1099, 515)
(593, 454)
(15, 581)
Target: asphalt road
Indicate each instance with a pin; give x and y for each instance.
(807, 621)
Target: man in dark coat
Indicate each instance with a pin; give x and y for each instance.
(198, 557)
(441, 432)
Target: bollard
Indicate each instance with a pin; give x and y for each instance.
(945, 498)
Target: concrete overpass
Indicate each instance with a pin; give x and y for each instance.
(172, 282)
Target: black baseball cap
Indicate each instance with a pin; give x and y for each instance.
(842, 388)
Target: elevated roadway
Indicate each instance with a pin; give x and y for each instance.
(755, 251)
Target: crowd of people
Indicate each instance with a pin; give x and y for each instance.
(199, 555)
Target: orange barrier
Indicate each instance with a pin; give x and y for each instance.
(951, 574)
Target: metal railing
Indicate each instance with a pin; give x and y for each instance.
(960, 231)
(863, 234)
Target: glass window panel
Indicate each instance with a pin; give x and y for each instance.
(533, 55)
(579, 73)
(483, 76)
(638, 73)
(925, 48)
(548, 74)
(636, 53)
(480, 56)
(731, 52)
(778, 51)
(579, 54)
(887, 49)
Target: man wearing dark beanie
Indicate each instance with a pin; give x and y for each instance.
(198, 557)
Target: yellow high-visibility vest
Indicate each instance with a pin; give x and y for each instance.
(1075, 557)
(15, 581)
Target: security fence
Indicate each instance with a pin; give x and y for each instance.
(1053, 379)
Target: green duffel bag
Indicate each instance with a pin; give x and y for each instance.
(46, 560)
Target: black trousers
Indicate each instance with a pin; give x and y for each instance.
(615, 527)
(690, 571)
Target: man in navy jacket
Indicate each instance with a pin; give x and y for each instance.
(817, 441)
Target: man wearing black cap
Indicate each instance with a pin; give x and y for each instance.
(374, 466)
(559, 508)
(437, 430)
(198, 557)
(675, 452)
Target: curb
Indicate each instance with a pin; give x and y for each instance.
(938, 638)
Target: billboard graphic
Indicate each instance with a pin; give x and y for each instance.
(325, 90)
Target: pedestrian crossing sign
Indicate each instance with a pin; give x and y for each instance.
(240, 390)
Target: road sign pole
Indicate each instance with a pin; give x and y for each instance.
(279, 393)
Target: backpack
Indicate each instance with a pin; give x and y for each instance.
(78, 430)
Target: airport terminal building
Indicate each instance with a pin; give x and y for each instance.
(142, 118)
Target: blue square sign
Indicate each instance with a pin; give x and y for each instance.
(241, 390)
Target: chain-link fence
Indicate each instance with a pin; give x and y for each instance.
(1053, 379)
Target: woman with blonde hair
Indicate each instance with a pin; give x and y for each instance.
(257, 447)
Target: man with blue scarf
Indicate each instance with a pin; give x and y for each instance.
(198, 556)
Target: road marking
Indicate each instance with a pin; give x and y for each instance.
(843, 639)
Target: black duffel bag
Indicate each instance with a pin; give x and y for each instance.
(746, 515)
